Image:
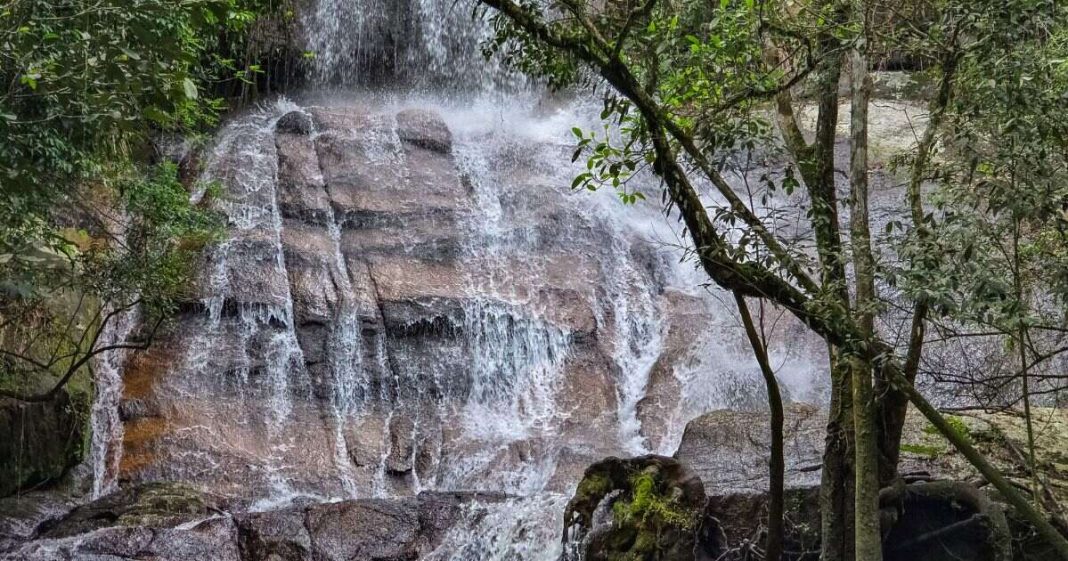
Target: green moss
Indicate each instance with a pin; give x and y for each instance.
(648, 507)
(646, 542)
(923, 450)
(956, 423)
(594, 485)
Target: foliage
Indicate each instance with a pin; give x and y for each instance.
(992, 256)
(87, 222)
(689, 86)
(1003, 174)
(697, 58)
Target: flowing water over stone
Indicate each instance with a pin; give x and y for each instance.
(410, 299)
(106, 446)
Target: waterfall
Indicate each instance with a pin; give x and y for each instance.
(409, 297)
(427, 45)
(106, 427)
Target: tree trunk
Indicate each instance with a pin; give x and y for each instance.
(868, 534)
(817, 168)
(836, 482)
(777, 464)
(892, 406)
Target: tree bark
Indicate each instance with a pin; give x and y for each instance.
(837, 477)
(777, 464)
(868, 535)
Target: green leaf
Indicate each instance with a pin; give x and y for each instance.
(189, 88)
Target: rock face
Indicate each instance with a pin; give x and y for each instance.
(400, 306)
(168, 522)
(40, 441)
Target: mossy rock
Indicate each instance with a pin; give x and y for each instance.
(647, 508)
(154, 505)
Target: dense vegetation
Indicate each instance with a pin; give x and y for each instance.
(978, 253)
(93, 222)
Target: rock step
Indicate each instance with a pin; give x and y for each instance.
(174, 522)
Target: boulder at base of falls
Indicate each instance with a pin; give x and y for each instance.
(173, 522)
(295, 122)
(425, 129)
(150, 505)
(728, 449)
(653, 508)
(939, 515)
(643, 509)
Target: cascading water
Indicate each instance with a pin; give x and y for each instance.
(105, 447)
(410, 298)
(428, 45)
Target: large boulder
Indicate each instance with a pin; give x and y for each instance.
(643, 509)
(213, 539)
(160, 504)
(381, 529)
(729, 450)
(22, 514)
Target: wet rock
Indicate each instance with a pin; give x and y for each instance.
(172, 525)
(40, 441)
(301, 191)
(379, 529)
(402, 433)
(295, 122)
(152, 504)
(425, 129)
(209, 540)
(275, 536)
(21, 515)
(361, 183)
(728, 450)
(371, 529)
(432, 321)
(345, 119)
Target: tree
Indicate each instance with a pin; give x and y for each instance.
(773, 546)
(91, 225)
(686, 83)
